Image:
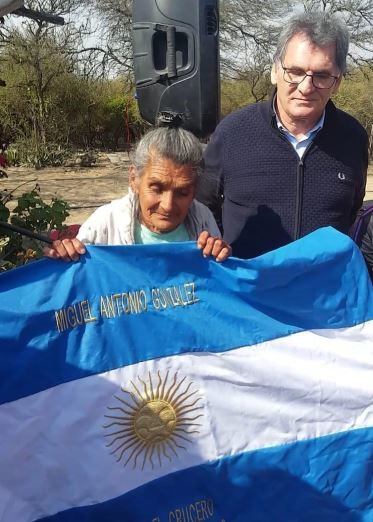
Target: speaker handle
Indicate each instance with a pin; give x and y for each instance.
(170, 31)
(171, 52)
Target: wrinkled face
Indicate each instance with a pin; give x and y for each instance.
(304, 101)
(166, 191)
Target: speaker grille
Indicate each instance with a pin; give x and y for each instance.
(211, 20)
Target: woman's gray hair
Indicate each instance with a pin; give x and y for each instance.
(176, 144)
(322, 29)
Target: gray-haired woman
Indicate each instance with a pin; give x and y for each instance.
(160, 205)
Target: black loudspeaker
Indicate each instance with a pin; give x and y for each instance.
(176, 62)
(8, 6)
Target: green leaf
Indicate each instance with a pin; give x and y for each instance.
(4, 212)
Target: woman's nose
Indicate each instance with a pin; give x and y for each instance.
(167, 201)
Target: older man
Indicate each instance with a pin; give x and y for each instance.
(159, 206)
(295, 163)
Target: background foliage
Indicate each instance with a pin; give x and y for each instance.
(71, 88)
(31, 213)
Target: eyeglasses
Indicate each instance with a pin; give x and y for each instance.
(319, 80)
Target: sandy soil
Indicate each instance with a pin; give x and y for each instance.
(369, 190)
(86, 188)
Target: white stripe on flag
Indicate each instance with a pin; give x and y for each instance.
(299, 387)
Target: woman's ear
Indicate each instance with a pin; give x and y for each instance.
(132, 178)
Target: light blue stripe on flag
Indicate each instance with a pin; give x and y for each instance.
(317, 282)
(328, 479)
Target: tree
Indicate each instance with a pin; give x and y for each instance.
(34, 56)
(355, 95)
(248, 32)
(358, 16)
(57, 93)
(115, 22)
(32, 64)
(101, 113)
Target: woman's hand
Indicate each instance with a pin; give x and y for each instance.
(65, 249)
(213, 246)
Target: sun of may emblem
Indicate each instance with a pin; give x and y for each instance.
(152, 422)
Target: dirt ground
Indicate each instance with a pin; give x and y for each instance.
(86, 188)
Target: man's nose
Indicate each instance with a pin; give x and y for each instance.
(306, 85)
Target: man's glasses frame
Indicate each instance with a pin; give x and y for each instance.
(320, 81)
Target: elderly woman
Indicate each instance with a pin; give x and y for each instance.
(160, 205)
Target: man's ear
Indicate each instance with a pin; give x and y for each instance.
(132, 178)
(274, 74)
(337, 84)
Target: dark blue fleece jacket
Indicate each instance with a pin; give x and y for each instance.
(270, 196)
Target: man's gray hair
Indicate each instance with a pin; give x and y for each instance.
(176, 144)
(322, 29)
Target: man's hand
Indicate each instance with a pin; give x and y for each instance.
(213, 246)
(65, 249)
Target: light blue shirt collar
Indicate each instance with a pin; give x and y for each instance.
(300, 145)
(144, 236)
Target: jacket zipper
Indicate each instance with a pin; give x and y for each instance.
(299, 196)
(299, 199)
(300, 180)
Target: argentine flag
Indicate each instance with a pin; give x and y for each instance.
(148, 384)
